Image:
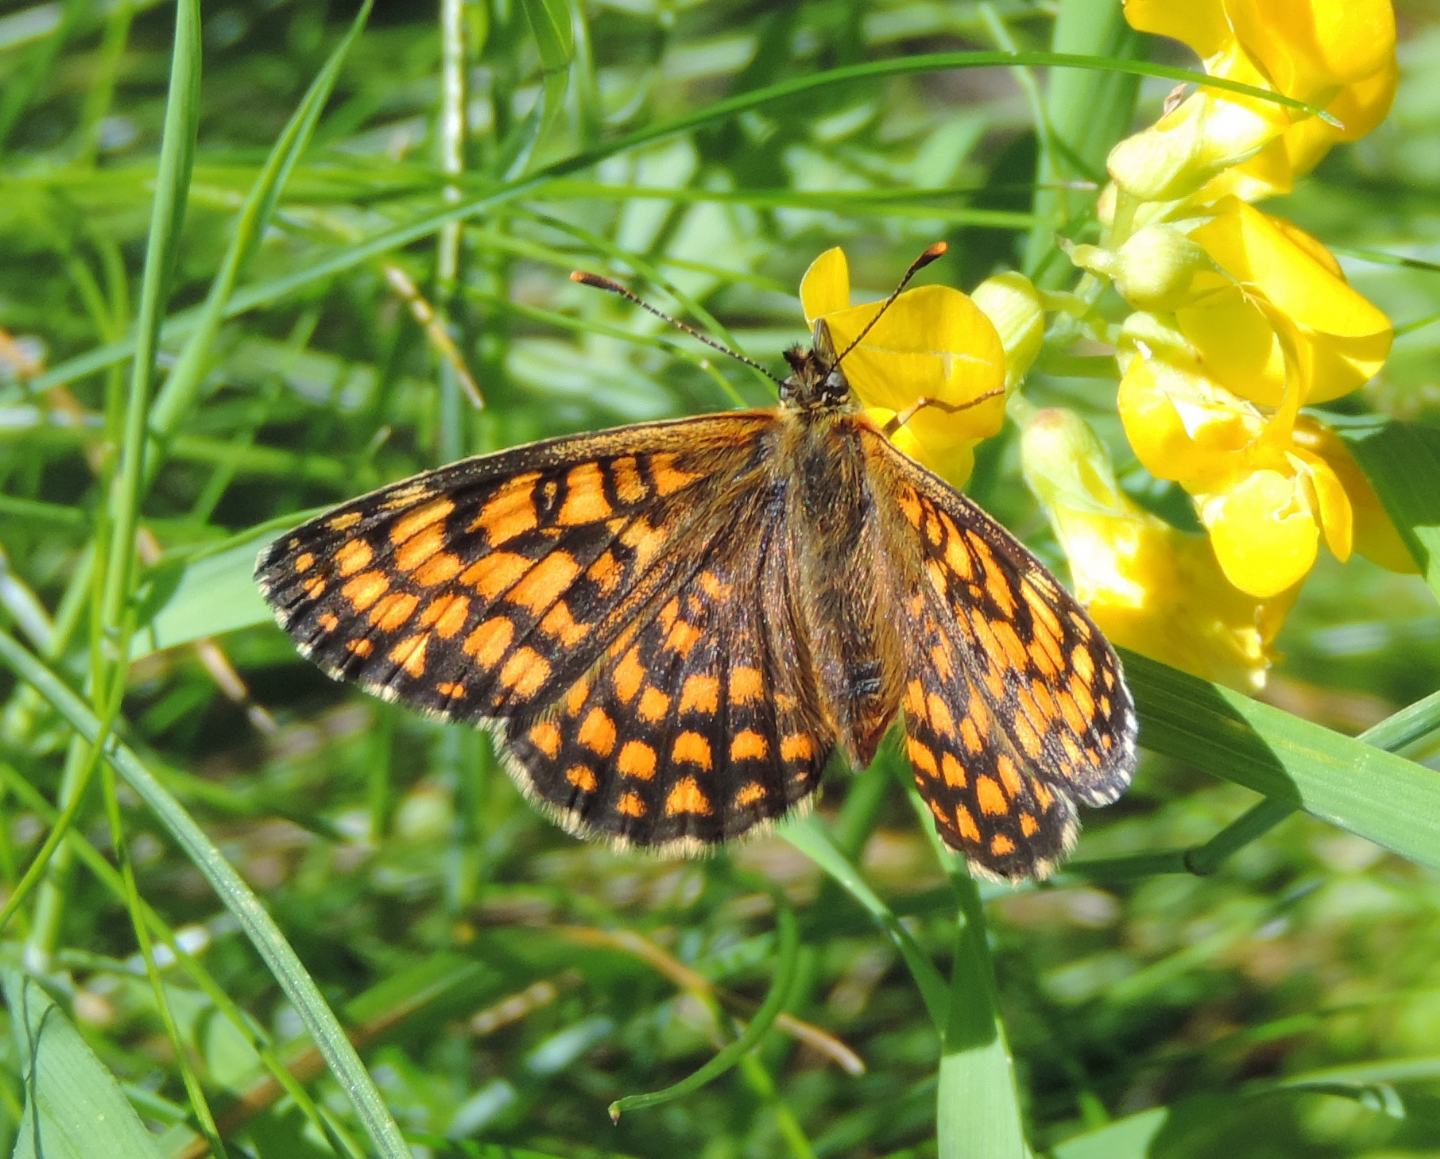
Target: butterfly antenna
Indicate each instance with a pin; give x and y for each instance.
(629, 295)
(916, 266)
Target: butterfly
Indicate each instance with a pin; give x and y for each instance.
(672, 626)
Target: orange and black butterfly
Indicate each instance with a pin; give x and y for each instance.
(672, 626)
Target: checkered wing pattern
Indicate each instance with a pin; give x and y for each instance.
(485, 589)
(702, 721)
(1014, 704)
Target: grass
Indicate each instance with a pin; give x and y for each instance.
(259, 259)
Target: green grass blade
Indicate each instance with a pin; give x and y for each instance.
(71, 1099)
(1402, 462)
(1385, 798)
(238, 898)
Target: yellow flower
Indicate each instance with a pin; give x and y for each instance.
(1152, 588)
(1338, 55)
(933, 342)
(1267, 485)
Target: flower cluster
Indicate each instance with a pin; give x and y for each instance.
(1235, 321)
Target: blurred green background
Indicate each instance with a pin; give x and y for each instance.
(507, 983)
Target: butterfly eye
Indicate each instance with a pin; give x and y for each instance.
(836, 387)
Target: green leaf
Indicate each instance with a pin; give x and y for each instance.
(185, 599)
(1402, 462)
(1385, 798)
(71, 1099)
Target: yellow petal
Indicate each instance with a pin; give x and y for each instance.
(1263, 532)
(825, 288)
(1013, 306)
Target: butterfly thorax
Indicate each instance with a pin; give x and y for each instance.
(815, 381)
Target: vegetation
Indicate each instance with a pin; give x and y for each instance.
(283, 250)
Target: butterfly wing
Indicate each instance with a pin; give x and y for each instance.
(701, 722)
(485, 588)
(1015, 704)
(617, 602)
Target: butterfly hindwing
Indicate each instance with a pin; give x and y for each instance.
(486, 588)
(699, 723)
(1015, 704)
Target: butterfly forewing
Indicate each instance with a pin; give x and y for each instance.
(486, 588)
(1015, 703)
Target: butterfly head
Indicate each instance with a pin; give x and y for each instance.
(815, 381)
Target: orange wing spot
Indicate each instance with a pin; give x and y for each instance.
(1043, 796)
(747, 685)
(495, 573)
(957, 559)
(966, 824)
(1015, 654)
(1109, 678)
(1028, 825)
(446, 614)
(1107, 742)
(584, 780)
(785, 702)
(546, 737)
(420, 548)
(545, 582)
(687, 797)
(700, 694)
(970, 737)
(714, 587)
(1073, 716)
(452, 690)
(510, 513)
(409, 654)
(631, 805)
(576, 697)
(748, 745)
(1044, 701)
(1104, 703)
(654, 704)
(1044, 652)
(344, 521)
(605, 572)
(422, 517)
(922, 760)
(305, 561)
(629, 675)
(1072, 751)
(933, 531)
(636, 760)
(1040, 610)
(667, 476)
(1010, 775)
(910, 506)
(525, 672)
(797, 747)
(489, 641)
(951, 772)
(1083, 663)
(405, 495)
(353, 555)
(585, 500)
(939, 577)
(644, 540)
(314, 587)
(329, 621)
(625, 475)
(1001, 846)
(991, 797)
(362, 646)
(693, 749)
(1030, 743)
(940, 719)
(560, 625)
(441, 568)
(394, 611)
(989, 565)
(669, 613)
(942, 656)
(682, 637)
(915, 700)
(749, 793)
(597, 732)
(1082, 628)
